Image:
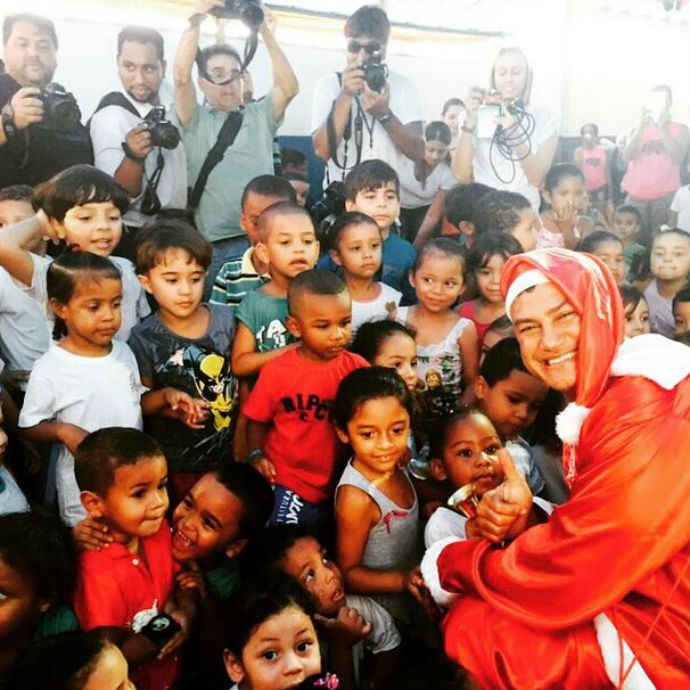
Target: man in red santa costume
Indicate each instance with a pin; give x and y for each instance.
(598, 596)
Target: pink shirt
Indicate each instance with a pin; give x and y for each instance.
(653, 173)
(594, 164)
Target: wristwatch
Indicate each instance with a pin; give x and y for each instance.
(386, 118)
(8, 125)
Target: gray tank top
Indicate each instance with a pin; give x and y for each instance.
(394, 542)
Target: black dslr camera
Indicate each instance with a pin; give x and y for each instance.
(247, 11)
(60, 110)
(375, 71)
(332, 203)
(163, 132)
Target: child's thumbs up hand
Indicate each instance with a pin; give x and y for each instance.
(502, 513)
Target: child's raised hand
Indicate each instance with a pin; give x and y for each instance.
(346, 629)
(91, 535)
(566, 214)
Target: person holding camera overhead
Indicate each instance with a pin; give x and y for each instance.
(654, 153)
(503, 142)
(241, 135)
(132, 139)
(41, 132)
(365, 111)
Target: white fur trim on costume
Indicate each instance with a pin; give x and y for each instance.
(430, 572)
(656, 358)
(569, 422)
(524, 281)
(611, 645)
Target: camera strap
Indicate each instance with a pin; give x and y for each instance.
(226, 136)
(115, 98)
(347, 135)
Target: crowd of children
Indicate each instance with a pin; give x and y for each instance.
(176, 472)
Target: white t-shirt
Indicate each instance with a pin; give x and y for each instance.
(384, 635)
(134, 304)
(404, 103)
(24, 328)
(89, 392)
(412, 194)
(109, 128)
(512, 176)
(374, 310)
(681, 205)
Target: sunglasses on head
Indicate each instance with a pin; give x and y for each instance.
(355, 46)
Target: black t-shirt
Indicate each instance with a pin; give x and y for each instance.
(36, 153)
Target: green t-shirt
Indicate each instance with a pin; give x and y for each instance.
(223, 580)
(250, 155)
(265, 316)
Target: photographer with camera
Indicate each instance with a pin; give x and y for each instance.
(132, 139)
(504, 143)
(41, 131)
(227, 144)
(366, 112)
(654, 154)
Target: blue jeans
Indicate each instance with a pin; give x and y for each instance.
(223, 251)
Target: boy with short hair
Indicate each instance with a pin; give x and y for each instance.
(238, 276)
(627, 222)
(122, 475)
(183, 353)
(509, 212)
(511, 396)
(288, 245)
(373, 188)
(681, 311)
(292, 441)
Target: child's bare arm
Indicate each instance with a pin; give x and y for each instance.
(355, 515)
(246, 361)
(256, 440)
(69, 435)
(240, 445)
(468, 344)
(170, 402)
(14, 255)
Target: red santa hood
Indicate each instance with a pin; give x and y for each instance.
(588, 285)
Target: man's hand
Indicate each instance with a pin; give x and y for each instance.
(138, 141)
(375, 103)
(475, 98)
(27, 107)
(502, 513)
(353, 80)
(205, 6)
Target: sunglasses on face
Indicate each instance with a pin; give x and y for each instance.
(223, 78)
(355, 46)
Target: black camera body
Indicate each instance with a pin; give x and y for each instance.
(249, 12)
(375, 71)
(163, 132)
(332, 203)
(60, 110)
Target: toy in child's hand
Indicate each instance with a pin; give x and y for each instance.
(464, 501)
(329, 681)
